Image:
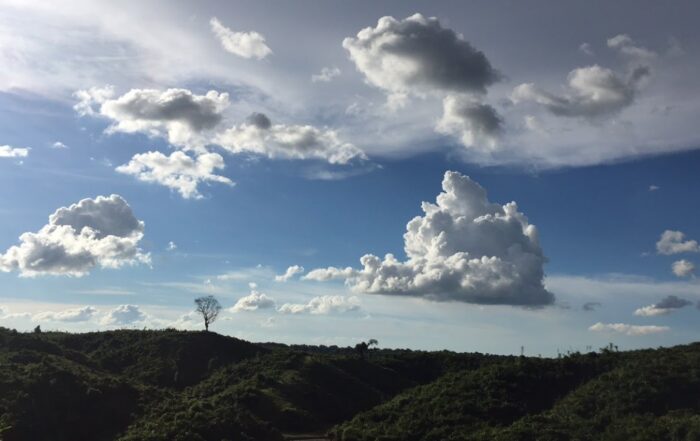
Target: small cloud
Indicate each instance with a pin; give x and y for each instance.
(591, 306)
(7, 151)
(58, 145)
(654, 187)
(326, 75)
(253, 301)
(631, 330)
(124, 315)
(323, 305)
(674, 242)
(586, 49)
(683, 268)
(290, 273)
(667, 305)
(171, 246)
(244, 44)
(69, 315)
(626, 46)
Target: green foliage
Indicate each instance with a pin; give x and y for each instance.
(174, 385)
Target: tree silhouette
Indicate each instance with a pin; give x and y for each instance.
(361, 349)
(209, 308)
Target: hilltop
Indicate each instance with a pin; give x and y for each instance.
(179, 385)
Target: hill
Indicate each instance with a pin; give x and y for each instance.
(177, 385)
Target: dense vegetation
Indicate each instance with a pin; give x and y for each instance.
(175, 385)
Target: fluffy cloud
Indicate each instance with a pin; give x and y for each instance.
(253, 301)
(326, 75)
(632, 330)
(259, 136)
(665, 306)
(474, 123)
(683, 268)
(69, 315)
(290, 273)
(323, 305)
(673, 242)
(464, 248)
(594, 91)
(59, 145)
(177, 114)
(124, 315)
(94, 232)
(417, 55)
(243, 44)
(178, 171)
(7, 151)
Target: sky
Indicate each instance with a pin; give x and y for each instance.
(468, 176)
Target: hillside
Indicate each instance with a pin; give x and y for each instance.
(176, 385)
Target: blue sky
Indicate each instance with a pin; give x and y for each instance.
(235, 152)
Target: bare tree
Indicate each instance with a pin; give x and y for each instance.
(209, 308)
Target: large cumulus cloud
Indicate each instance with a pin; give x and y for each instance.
(101, 232)
(464, 248)
(418, 55)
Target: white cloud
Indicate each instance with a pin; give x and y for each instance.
(667, 305)
(417, 55)
(69, 315)
(7, 151)
(178, 171)
(176, 114)
(171, 246)
(323, 305)
(464, 248)
(632, 330)
(58, 145)
(258, 136)
(683, 268)
(627, 46)
(326, 75)
(7, 315)
(124, 315)
(654, 188)
(673, 242)
(594, 91)
(244, 44)
(474, 123)
(92, 98)
(290, 273)
(253, 301)
(94, 232)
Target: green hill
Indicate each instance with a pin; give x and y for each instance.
(176, 385)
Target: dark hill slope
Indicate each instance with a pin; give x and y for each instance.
(640, 395)
(176, 385)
